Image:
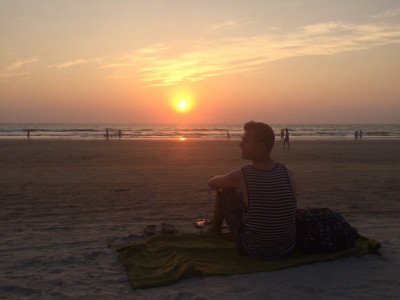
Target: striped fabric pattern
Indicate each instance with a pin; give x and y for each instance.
(269, 223)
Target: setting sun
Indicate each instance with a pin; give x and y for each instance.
(182, 102)
(183, 105)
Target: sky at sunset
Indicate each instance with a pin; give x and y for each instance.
(208, 61)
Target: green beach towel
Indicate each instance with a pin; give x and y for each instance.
(163, 260)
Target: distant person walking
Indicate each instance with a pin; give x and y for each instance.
(107, 135)
(356, 135)
(28, 134)
(286, 139)
(119, 133)
(360, 135)
(228, 136)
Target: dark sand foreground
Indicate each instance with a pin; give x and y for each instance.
(62, 202)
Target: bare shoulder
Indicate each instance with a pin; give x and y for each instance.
(289, 170)
(236, 174)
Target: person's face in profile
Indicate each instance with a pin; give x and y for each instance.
(251, 147)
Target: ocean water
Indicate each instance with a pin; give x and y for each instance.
(201, 131)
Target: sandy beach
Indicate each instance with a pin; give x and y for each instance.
(63, 201)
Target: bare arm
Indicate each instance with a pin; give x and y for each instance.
(233, 179)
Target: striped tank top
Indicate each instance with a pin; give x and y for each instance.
(269, 223)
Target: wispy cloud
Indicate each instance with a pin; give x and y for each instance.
(18, 68)
(193, 60)
(73, 63)
(228, 24)
(394, 12)
(169, 63)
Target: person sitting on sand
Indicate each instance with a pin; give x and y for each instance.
(257, 201)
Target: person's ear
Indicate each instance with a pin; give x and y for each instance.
(261, 147)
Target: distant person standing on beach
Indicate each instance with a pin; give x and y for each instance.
(228, 136)
(286, 139)
(257, 201)
(360, 134)
(356, 135)
(107, 135)
(28, 134)
(282, 134)
(119, 133)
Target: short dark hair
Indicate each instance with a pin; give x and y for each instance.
(263, 133)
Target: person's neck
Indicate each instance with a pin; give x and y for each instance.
(264, 162)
